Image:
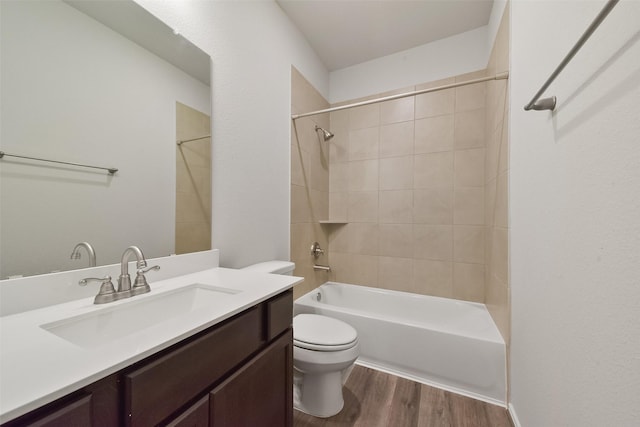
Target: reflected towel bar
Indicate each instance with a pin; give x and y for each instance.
(499, 76)
(550, 103)
(111, 170)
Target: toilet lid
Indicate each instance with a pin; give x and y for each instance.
(316, 332)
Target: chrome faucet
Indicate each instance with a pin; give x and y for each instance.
(92, 253)
(107, 292)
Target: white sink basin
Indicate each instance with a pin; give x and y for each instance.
(100, 327)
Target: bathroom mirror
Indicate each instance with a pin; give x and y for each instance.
(99, 83)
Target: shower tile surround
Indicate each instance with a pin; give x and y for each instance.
(193, 181)
(422, 182)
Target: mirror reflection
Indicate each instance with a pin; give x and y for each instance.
(100, 83)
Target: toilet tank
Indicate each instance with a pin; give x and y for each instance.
(274, 267)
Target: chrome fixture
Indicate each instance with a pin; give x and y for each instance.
(325, 133)
(107, 293)
(110, 170)
(316, 250)
(322, 267)
(124, 281)
(550, 103)
(92, 253)
(499, 76)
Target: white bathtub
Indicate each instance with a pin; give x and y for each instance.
(450, 344)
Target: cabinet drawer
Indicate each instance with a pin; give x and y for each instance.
(279, 314)
(155, 391)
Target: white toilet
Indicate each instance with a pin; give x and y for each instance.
(324, 350)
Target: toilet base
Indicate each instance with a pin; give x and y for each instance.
(318, 395)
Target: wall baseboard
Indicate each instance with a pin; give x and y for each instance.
(514, 417)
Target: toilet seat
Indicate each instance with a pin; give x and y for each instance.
(322, 333)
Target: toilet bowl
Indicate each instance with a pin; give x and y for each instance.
(324, 350)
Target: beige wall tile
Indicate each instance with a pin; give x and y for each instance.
(433, 170)
(300, 161)
(434, 134)
(501, 218)
(363, 239)
(468, 244)
(340, 263)
(470, 97)
(339, 238)
(433, 206)
(397, 139)
(489, 203)
(396, 206)
(468, 206)
(364, 117)
(433, 242)
(396, 173)
(339, 144)
(500, 255)
(399, 110)
(363, 206)
(192, 237)
(301, 239)
(433, 278)
(468, 282)
(363, 144)
(492, 155)
(434, 103)
(396, 240)
(395, 273)
(469, 129)
(338, 206)
(363, 175)
(320, 174)
(319, 205)
(364, 269)
(339, 177)
(469, 168)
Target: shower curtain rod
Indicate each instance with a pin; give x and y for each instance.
(193, 139)
(499, 76)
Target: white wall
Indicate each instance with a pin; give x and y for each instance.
(75, 91)
(253, 45)
(447, 57)
(575, 216)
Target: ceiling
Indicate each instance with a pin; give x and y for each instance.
(349, 32)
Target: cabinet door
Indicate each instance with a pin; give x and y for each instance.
(196, 416)
(260, 393)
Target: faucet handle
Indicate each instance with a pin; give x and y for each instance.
(140, 286)
(107, 293)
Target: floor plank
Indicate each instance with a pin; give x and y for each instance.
(375, 399)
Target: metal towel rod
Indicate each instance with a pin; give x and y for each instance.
(111, 170)
(550, 103)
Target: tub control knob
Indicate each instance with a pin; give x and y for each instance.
(316, 250)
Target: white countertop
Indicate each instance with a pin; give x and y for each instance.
(38, 367)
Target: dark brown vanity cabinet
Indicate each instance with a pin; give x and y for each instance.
(237, 373)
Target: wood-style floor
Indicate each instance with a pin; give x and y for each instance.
(375, 399)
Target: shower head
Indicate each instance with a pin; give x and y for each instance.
(325, 133)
